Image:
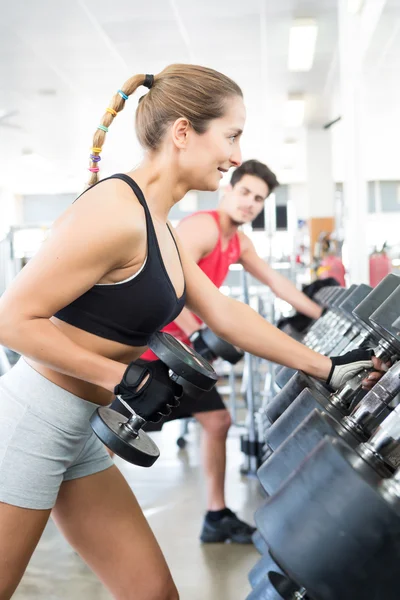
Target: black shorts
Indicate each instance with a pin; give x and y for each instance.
(187, 408)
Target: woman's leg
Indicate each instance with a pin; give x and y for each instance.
(20, 531)
(100, 517)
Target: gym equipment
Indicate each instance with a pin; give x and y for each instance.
(332, 522)
(262, 568)
(259, 542)
(124, 436)
(250, 443)
(322, 327)
(351, 328)
(338, 325)
(334, 526)
(360, 332)
(276, 586)
(210, 346)
(385, 347)
(355, 428)
(382, 448)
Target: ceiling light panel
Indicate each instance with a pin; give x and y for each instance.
(302, 40)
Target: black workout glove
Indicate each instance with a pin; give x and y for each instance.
(156, 396)
(298, 322)
(348, 365)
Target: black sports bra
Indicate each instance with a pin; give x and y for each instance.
(130, 311)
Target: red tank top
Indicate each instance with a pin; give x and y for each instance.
(216, 266)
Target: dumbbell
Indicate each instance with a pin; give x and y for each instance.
(318, 332)
(267, 586)
(356, 335)
(277, 586)
(337, 327)
(285, 414)
(347, 328)
(262, 568)
(383, 349)
(372, 429)
(324, 293)
(124, 435)
(298, 325)
(323, 323)
(259, 542)
(210, 346)
(334, 526)
(339, 403)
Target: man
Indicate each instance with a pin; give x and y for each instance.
(215, 242)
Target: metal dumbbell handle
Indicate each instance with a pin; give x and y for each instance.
(134, 423)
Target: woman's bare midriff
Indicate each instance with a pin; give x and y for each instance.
(108, 348)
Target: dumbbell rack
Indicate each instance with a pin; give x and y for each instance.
(256, 392)
(330, 529)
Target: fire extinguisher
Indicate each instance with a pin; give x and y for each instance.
(380, 265)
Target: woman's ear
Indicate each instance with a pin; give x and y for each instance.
(180, 130)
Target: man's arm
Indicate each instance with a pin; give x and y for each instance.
(199, 235)
(280, 285)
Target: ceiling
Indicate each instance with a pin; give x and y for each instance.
(60, 63)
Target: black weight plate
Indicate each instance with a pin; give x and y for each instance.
(284, 375)
(185, 362)
(384, 316)
(108, 426)
(364, 310)
(344, 293)
(354, 299)
(259, 542)
(221, 348)
(275, 586)
(332, 507)
(262, 568)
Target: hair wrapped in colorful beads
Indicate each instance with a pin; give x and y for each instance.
(116, 105)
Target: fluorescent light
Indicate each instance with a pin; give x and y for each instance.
(294, 111)
(354, 6)
(302, 38)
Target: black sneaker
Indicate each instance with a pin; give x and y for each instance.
(227, 529)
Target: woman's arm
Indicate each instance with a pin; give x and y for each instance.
(242, 326)
(99, 233)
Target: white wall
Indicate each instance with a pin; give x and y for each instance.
(10, 205)
(298, 196)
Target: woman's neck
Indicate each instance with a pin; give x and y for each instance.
(160, 186)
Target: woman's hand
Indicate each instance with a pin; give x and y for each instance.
(350, 364)
(380, 368)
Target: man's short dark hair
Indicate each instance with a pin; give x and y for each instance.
(258, 169)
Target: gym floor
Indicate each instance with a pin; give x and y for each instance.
(172, 496)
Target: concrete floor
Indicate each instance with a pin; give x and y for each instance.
(210, 572)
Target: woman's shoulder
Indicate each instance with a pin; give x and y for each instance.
(110, 206)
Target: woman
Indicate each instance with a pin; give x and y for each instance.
(111, 274)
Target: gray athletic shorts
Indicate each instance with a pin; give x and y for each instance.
(45, 439)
